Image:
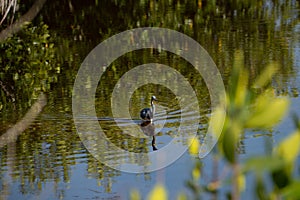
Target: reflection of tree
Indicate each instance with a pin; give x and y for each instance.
(12, 134)
(9, 138)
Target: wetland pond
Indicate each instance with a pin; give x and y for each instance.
(50, 161)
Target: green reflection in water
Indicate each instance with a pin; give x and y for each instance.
(50, 147)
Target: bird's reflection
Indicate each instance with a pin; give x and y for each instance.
(149, 129)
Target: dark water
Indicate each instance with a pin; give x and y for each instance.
(49, 160)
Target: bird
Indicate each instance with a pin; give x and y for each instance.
(147, 113)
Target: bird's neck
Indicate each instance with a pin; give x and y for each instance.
(152, 107)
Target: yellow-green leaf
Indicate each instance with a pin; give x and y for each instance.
(228, 146)
(181, 196)
(158, 193)
(194, 146)
(292, 191)
(288, 149)
(241, 88)
(217, 120)
(260, 164)
(266, 75)
(268, 112)
(241, 182)
(196, 173)
(135, 195)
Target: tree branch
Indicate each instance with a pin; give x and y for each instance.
(27, 17)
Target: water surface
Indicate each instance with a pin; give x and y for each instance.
(49, 161)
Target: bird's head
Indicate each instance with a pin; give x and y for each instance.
(153, 98)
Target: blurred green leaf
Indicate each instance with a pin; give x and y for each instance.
(266, 75)
(261, 164)
(182, 196)
(218, 120)
(260, 190)
(241, 181)
(229, 142)
(196, 172)
(288, 149)
(292, 191)
(267, 111)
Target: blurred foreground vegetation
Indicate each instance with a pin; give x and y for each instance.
(247, 106)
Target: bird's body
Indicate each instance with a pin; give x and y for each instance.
(148, 129)
(147, 113)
